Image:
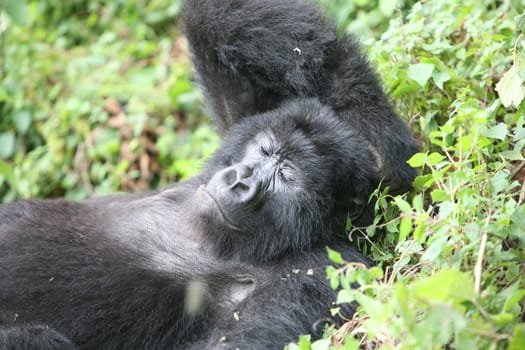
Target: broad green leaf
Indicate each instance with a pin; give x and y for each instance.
(404, 228)
(334, 256)
(7, 171)
(22, 120)
(417, 160)
(345, 296)
(321, 344)
(423, 181)
(518, 216)
(520, 22)
(510, 88)
(446, 285)
(498, 131)
(16, 10)
(420, 73)
(519, 134)
(7, 144)
(440, 78)
(439, 195)
(376, 272)
(387, 7)
(435, 158)
(502, 319)
(519, 63)
(518, 337)
(500, 180)
(513, 155)
(403, 205)
(446, 208)
(304, 342)
(420, 232)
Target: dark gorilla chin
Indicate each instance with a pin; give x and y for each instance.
(211, 210)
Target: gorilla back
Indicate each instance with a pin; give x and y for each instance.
(113, 273)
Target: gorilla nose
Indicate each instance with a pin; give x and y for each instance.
(240, 179)
(237, 173)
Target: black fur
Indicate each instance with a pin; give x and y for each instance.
(251, 55)
(276, 314)
(33, 337)
(114, 273)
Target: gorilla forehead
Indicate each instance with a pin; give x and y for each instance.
(303, 128)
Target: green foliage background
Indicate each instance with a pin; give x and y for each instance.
(96, 97)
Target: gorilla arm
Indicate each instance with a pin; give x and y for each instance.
(296, 301)
(252, 55)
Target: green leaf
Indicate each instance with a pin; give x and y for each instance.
(420, 232)
(500, 180)
(513, 154)
(439, 196)
(345, 296)
(22, 120)
(446, 285)
(7, 144)
(417, 160)
(335, 256)
(518, 337)
(440, 78)
(376, 272)
(387, 7)
(520, 22)
(403, 205)
(498, 131)
(321, 344)
(304, 342)
(420, 72)
(7, 171)
(435, 158)
(518, 216)
(510, 88)
(404, 228)
(423, 181)
(16, 10)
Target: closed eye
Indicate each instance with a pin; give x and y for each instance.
(264, 151)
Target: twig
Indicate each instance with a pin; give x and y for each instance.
(479, 263)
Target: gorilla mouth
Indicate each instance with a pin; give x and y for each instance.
(219, 209)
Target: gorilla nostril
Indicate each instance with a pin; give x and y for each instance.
(245, 171)
(230, 177)
(247, 192)
(241, 188)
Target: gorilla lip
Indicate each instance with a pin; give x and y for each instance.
(229, 223)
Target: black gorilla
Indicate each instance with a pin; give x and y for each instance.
(247, 236)
(252, 55)
(114, 273)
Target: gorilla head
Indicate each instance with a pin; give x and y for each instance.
(283, 182)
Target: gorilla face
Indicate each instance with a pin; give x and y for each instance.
(289, 186)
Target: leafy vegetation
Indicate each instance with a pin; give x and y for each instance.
(96, 97)
(451, 259)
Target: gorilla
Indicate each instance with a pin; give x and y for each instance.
(234, 257)
(167, 270)
(254, 56)
(250, 56)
